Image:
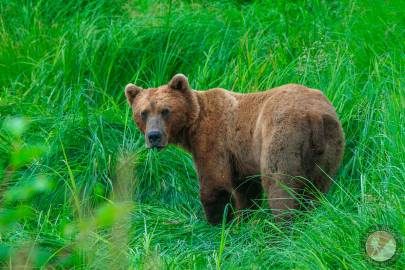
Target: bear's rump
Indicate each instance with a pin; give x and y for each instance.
(303, 144)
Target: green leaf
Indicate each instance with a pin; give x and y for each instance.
(26, 155)
(15, 126)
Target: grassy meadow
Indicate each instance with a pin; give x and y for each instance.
(79, 190)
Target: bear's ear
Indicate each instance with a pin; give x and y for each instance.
(131, 90)
(179, 82)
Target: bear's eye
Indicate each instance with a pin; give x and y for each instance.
(165, 112)
(144, 115)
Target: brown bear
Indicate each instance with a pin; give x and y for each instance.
(289, 137)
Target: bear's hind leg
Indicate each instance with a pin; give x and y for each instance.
(283, 193)
(283, 178)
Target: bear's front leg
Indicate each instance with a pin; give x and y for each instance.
(214, 202)
(215, 187)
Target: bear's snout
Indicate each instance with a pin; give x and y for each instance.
(154, 139)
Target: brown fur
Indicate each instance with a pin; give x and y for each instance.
(282, 135)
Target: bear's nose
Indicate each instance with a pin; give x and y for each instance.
(154, 137)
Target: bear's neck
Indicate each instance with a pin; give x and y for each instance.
(189, 134)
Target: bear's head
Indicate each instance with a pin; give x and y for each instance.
(163, 113)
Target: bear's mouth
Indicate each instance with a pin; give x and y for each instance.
(156, 147)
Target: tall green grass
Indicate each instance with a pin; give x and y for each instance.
(79, 190)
